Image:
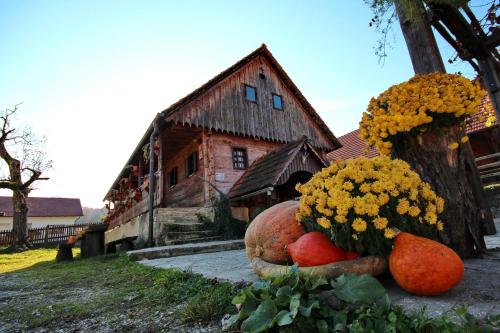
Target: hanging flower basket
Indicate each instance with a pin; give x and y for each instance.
(135, 170)
(137, 195)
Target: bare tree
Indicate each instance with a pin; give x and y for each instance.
(25, 158)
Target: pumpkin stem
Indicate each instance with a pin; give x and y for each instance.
(259, 250)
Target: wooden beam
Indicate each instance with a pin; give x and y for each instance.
(485, 157)
(487, 166)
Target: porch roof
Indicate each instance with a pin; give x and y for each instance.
(274, 168)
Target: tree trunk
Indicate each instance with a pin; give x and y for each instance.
(447, 172)
(452, 173)
(20, 218)
(422, 46)
(491, 80)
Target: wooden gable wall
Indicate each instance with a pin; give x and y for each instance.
(224, 108)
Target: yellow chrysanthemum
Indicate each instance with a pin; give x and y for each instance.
(414, 211)
(464, 139)
(380, 223)
(403, 206)
(357, 191)
(440, 226)
(453, 145)
(324, 222)
(340, 219)
(390, 233)
(416, 103)
(359, 225)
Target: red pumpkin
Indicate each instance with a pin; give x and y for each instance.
(271, 231)
(313, 249)
(351, 255)
(424, 267)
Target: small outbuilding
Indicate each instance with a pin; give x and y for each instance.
(42, 211)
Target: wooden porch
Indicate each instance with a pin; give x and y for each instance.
(130, 195)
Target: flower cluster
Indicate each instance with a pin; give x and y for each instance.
(362, 203)
(438, 99)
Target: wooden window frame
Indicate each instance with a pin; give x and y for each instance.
(245, 86)
(196, 162)
(176, 170)
(282, 104)
(245, 150)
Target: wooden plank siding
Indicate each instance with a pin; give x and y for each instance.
(225, 109)
(189, 190)
(222, 160)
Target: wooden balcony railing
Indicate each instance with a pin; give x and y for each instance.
(489, 169)
(139, 207)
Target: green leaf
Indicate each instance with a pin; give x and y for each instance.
(294, 269)
(321, 281)
(354, 288)
(261, 319)
(260, 285)
(239, 299)
(306, 310)
(283, 318)
(322, 326)
(294, 304)
(233, 320)
(283, 295)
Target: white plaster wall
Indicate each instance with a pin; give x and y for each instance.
(39, 222)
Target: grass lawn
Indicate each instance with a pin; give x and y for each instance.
(105, 294)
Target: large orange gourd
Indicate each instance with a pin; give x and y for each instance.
(314, 249)
(271, 231)
(424, 267)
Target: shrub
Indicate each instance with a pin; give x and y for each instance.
(362, 203)
(423, 102)
(351, 303)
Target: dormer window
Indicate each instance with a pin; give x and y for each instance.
(250, 93)
(277, 102)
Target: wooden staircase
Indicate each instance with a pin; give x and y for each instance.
(181, 225)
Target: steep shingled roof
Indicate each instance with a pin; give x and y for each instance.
(45, 207)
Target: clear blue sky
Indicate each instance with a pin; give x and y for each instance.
(92, 74)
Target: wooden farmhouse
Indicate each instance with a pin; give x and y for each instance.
(248, 133)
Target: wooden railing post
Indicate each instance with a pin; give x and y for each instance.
(46, 243)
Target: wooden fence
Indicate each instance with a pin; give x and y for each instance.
(489, 168)
(48, 236)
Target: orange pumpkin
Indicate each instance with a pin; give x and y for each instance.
(314, 249)
(271, 231)
(71, 240)
(424, 267)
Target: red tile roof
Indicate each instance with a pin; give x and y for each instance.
(477, 121)
(353, 146)
(45, 207)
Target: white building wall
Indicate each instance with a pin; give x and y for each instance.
(39, 222)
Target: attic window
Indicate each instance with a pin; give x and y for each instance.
(277, 102)
(250, 93)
